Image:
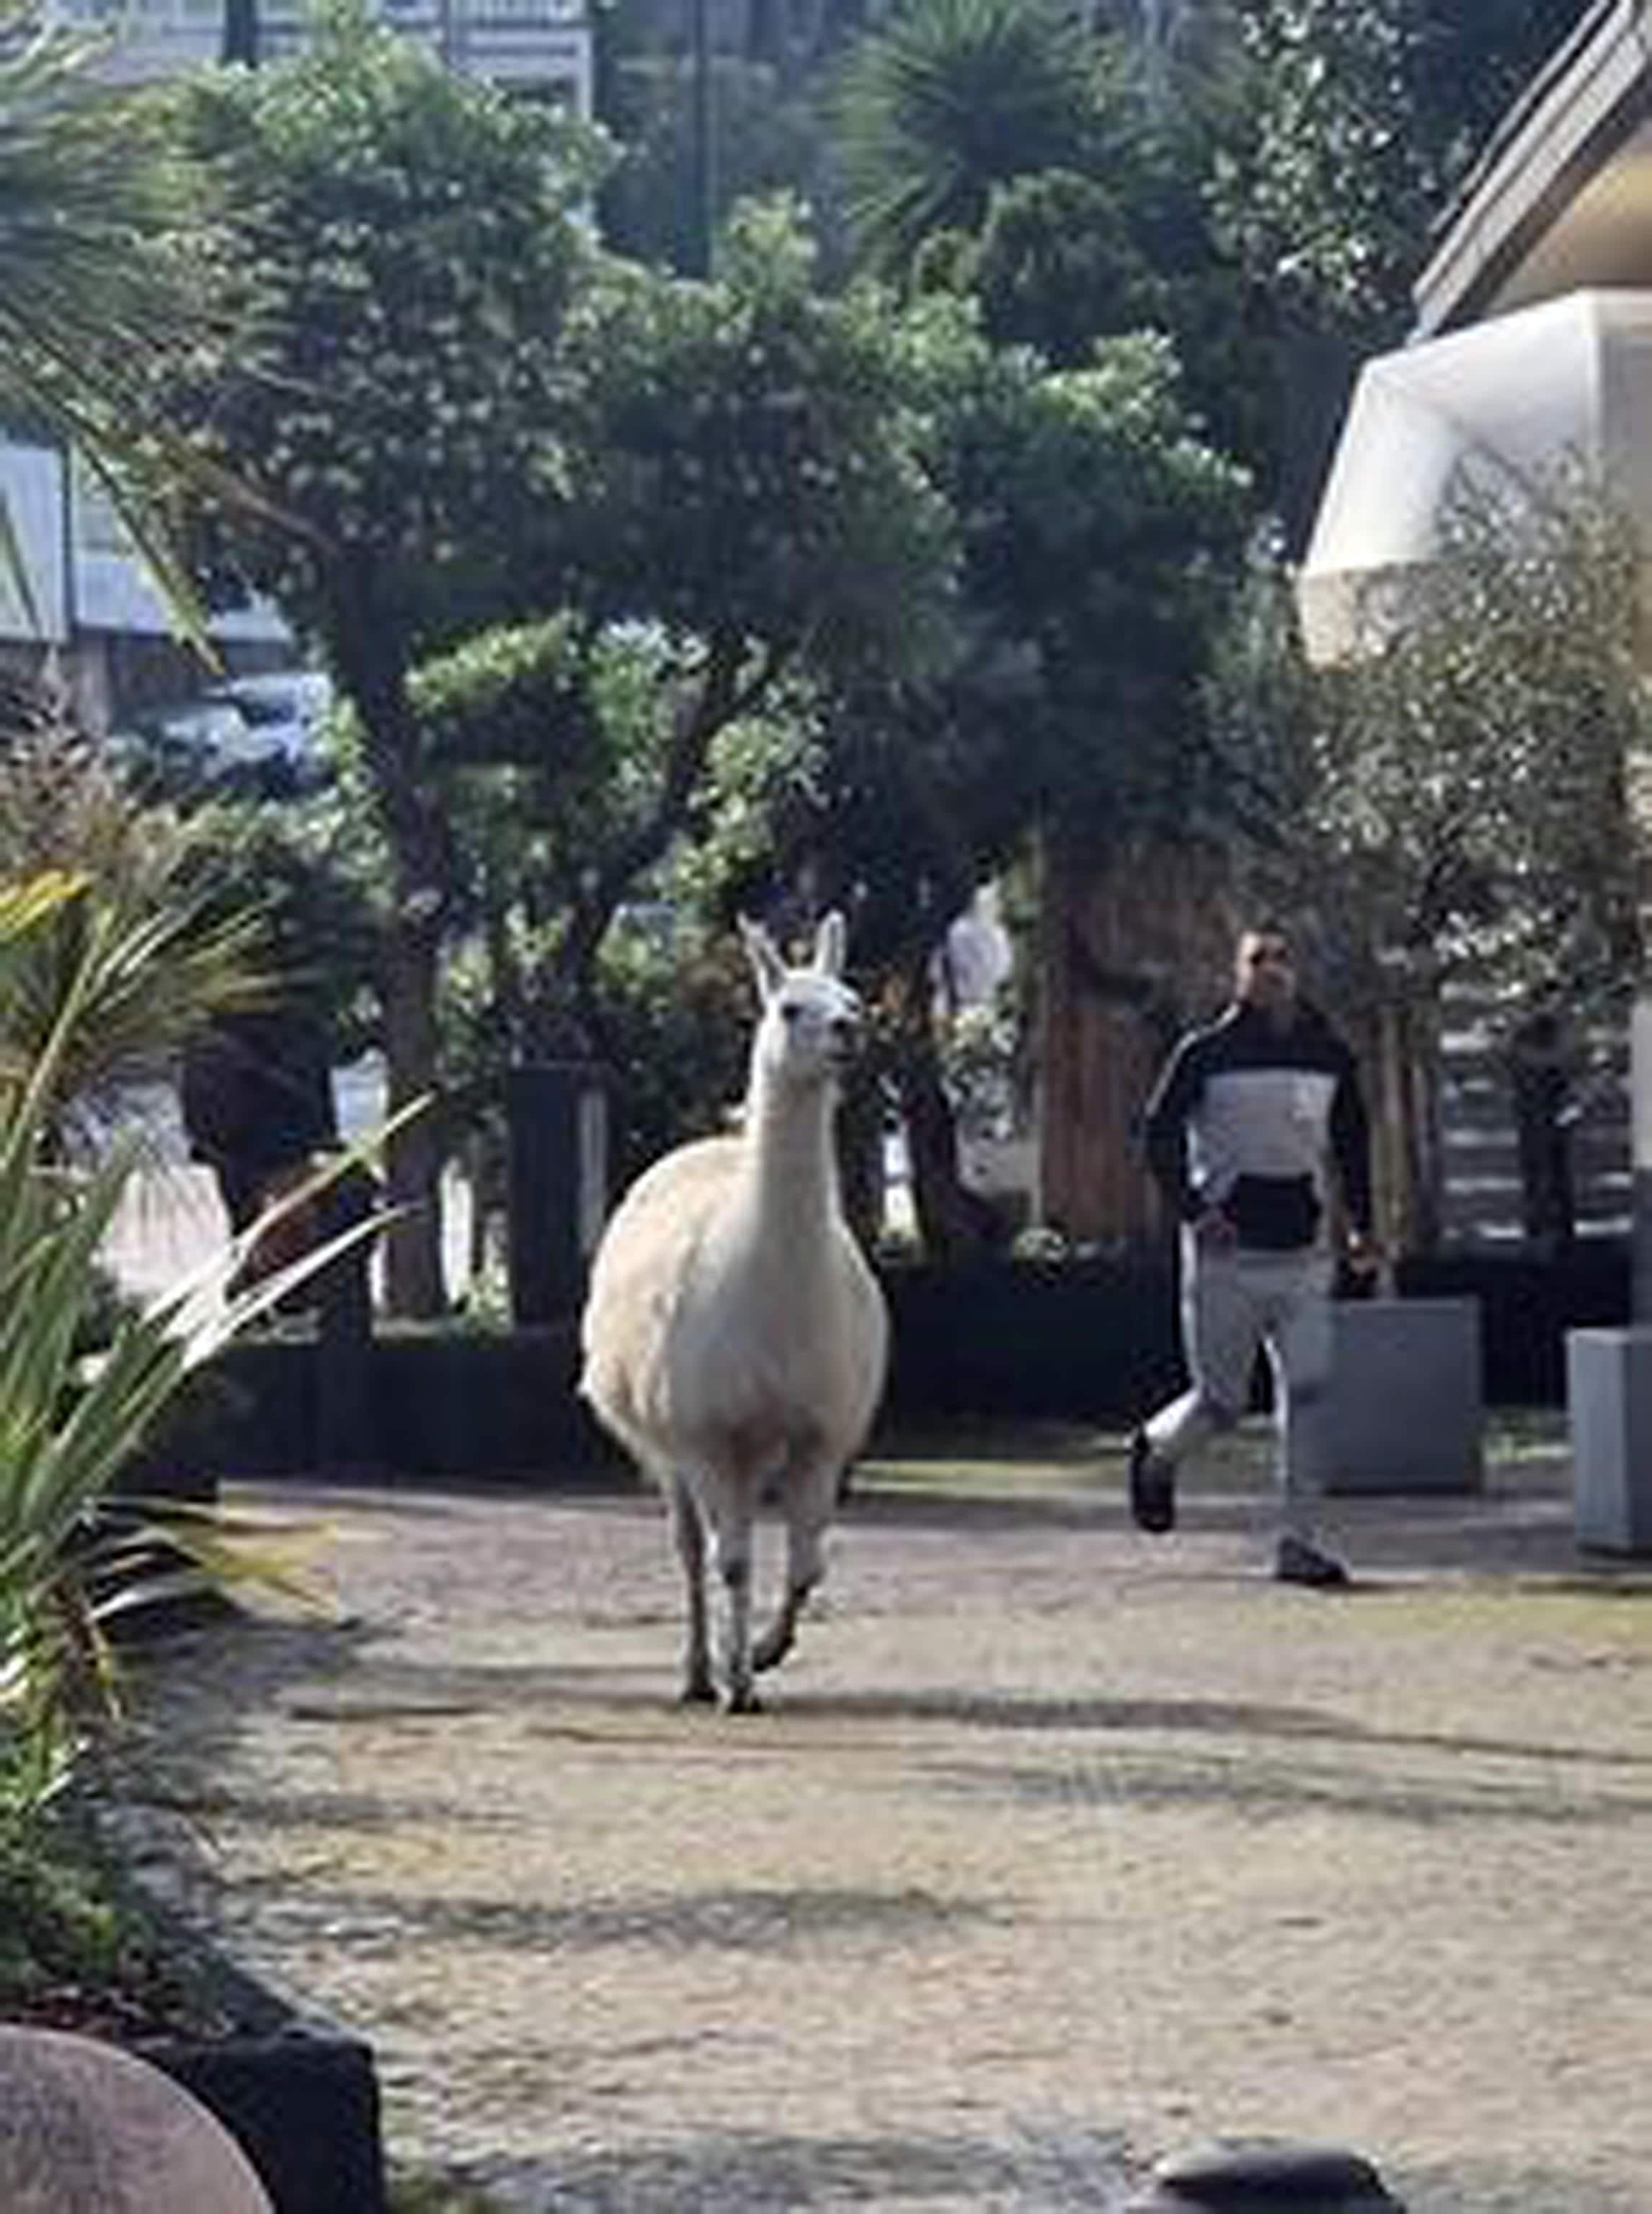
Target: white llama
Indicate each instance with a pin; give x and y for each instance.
(735, 1339)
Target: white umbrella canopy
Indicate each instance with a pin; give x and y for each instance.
(1509, 399)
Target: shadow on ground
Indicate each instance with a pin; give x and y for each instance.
(751, 2173)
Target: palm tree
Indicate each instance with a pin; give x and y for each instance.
(90, 297)
(1171, 43)
(947, 100)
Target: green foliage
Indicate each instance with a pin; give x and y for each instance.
(91, 299)
(762, 141)
(393, 246)
(74, 1951)
(945, 100)
(676, 1000)
(163, 954)
(1353, 125)
(748, 470)
(68, 1424)
(1098, 230)
(1058, 265)
(554, 746)
(1463, 791)
(1096, 534)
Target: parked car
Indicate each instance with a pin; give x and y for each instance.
(244, 726)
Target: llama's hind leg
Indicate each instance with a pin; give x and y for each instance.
(810, 1495)
(688, 1531)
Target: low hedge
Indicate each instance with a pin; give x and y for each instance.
(1087, 1341)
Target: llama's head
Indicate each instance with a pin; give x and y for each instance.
(812, 1020)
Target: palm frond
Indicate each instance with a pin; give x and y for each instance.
(68, 1424)
(947, 100)
(94, 291)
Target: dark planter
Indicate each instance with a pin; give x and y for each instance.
(1091, 1340)
(438, 1404)
(299, 2095)
(303, 2104)
(1529, 1304)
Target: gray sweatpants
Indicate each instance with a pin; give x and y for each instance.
(1233, 1301)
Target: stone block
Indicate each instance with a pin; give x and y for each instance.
(86, 2128)
(1406, 1409)
(1609, 1413)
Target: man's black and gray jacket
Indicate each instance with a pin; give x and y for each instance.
(1242, 1120)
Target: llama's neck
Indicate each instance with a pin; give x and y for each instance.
(791, 1167)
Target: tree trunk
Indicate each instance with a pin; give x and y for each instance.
(414, 1286)
(373, 677)
(860, 1154)
(240, 42)
(953, 1221)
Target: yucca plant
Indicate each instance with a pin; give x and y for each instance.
(69, 1423)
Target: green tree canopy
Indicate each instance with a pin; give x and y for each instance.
(1099, 533)
(474, 415)
(1462, 793)
(394, 248)
(1353, 127)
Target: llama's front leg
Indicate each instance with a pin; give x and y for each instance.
(731, 1544)
(809, 1500)
(699, 1687)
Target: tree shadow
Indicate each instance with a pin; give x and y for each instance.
(750, 2172)
(1474, 2181)
(1258, 1789)
(762, 1919)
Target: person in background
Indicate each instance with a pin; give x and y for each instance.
(1241, 1126)
(1545, 1114)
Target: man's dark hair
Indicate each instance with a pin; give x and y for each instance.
(1265, 925)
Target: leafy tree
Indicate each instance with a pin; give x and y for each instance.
(1098, 531)
(1086, 226)
(557, 751)
(630, 747)
(1462, 798)
(763, 140)
(1175, 47)
(772, 425)
(1353, 125)
(472, 416)
(395, 248)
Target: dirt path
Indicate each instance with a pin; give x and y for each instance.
(1059, 1848)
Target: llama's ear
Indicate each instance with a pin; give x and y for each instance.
(766, 963)
(830, 944)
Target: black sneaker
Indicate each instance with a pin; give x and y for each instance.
(1297, 1562)
(1153, 1488)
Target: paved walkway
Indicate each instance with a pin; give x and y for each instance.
(1058, 1848)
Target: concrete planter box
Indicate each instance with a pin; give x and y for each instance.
(1406, 1406)
(1609, 1408)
